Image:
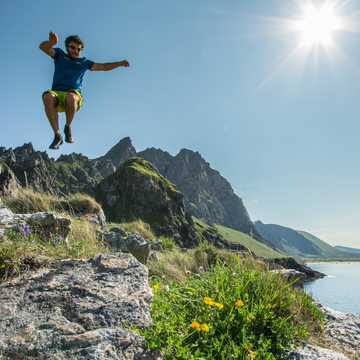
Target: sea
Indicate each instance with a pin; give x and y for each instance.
(340, 289)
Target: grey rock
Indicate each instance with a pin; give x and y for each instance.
(311, 352)
(77, 310)
(48, 226)
(132, 243)
(341, 338)
(296, 278)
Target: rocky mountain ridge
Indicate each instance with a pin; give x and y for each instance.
(207, 194)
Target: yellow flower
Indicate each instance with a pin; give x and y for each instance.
(195, 325)
(219, 306)
(208, 301)
(156, 287)
(252, 354)
(239, 303)
(204, 327)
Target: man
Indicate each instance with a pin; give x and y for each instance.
(65, 93)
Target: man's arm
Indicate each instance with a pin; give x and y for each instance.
(109, 66)
(47, 46)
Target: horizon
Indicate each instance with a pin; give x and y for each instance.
(277, 118)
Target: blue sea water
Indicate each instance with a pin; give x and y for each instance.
(340, 289)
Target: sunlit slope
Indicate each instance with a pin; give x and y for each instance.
(237, 237)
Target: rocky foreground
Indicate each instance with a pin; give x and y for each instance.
(74, 309)
(341, 336)
(77, 310)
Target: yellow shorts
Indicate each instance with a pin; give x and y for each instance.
(61, 95)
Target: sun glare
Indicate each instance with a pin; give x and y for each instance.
(317, 25)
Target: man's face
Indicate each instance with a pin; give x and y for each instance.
(74, 50)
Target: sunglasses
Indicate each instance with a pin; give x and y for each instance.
(73, 47)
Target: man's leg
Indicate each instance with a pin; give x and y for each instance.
(71, 106)
(50, 103)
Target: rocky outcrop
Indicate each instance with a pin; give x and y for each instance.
(341, 339)
(291, 263)
(48, 226)
(207, 194)
(77, 310)
(119, 153)
(136, 190)
(132, 243)
(294, 277)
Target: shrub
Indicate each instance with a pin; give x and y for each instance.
(143, 228)
(229, 312)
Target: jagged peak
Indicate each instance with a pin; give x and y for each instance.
(27, 147)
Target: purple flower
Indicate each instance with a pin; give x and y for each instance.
(25, 230)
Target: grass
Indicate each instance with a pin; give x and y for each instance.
(139, 226)
(237, 237)
(177, 265)
(28, 201)
(19, 253)
(234, 310)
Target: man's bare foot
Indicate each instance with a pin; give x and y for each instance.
(68, 136)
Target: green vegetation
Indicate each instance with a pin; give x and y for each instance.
(234, 310)
(146, 168)
(237, 237)
(21, 251)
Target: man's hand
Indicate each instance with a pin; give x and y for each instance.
(53, 38)
(125, 63)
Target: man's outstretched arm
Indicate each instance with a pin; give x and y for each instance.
(109, 66)
(47, 46)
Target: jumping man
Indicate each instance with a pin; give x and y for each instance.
(65, 94)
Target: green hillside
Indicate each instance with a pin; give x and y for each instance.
(237, 237)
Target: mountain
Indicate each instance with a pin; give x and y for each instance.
(298, 243)
(207, 194)
(348, 250)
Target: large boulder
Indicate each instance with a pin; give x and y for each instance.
(132, 243)
(137, 191)
(77, 310)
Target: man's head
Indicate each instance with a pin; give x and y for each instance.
(74, 45)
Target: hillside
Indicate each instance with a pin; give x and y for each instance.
(299, 243)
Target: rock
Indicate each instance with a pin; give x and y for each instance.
(48, 226)
(77, 310)
(291, 263)
(311, 352)
(137, 191)
(342, 330)
(341, 334)
(207, 194)
(132, 243)
(296, 278)
(8, 182)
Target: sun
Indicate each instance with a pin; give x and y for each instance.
(317, 25)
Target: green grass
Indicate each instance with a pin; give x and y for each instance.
(237, 237)
(232, 311)
(20, 253)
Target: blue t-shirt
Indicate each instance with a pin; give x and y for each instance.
(69, 72)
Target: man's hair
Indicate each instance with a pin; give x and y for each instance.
(74, 38)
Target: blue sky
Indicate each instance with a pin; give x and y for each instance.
(204, 75)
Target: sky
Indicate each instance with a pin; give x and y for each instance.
(225, 78)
